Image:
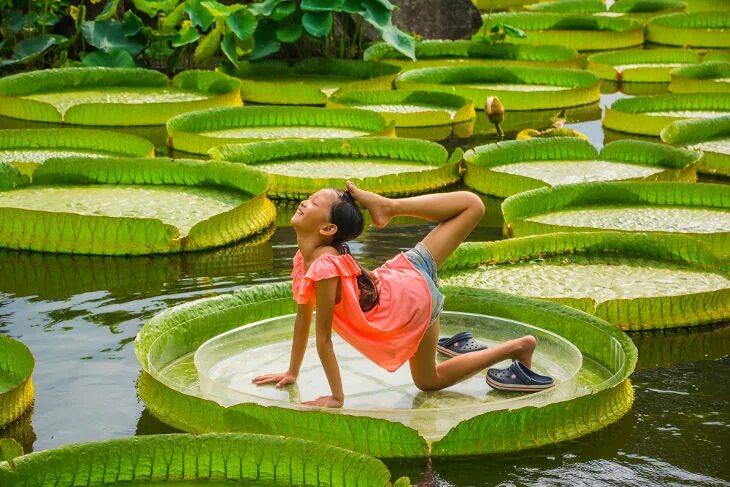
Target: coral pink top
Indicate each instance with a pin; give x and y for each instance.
(389, 333)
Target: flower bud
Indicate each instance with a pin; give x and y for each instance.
(494, 109)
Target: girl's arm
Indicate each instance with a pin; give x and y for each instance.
(326, 291)
(298, 347)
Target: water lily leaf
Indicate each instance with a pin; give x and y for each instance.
(353, 7)
(9, 449)
(110, 8)
(199, 15)
(113, 58)
(132, 24)
(29, 49)
(317, 24)
(243, 23)
(109, 34)
(265, 41)
(284, 10)
(289, 31)
(322, 5)
(187, 35)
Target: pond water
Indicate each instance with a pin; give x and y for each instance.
(79, 315)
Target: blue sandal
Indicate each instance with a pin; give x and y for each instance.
(459, 344)
(518, 377)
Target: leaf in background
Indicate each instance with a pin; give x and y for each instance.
(322, 5)
(218, 10)
(243, 23)
(317, 24)
(289, 31)
(10, 449)
(15, 20)
(284, 10)
(228, 46)
(400, 41)
(151, 7)
(513, 31)
(110, 9)
(264, 8)
(353, 7)
(109, 34)
(187, 35)
(175, 17)
(199, 15)
(208, 45)
(377, 15)
(48, 20)
(265, 41)
(132, 24)
(114, 58)
(29, 49)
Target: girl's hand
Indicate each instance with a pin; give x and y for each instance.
(279, 379)
(326, 402)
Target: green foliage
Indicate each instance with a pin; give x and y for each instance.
(173, 34)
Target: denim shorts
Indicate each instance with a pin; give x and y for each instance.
(423, 261)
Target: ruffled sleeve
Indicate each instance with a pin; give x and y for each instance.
(324, 267)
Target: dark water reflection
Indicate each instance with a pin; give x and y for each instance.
(80, 314)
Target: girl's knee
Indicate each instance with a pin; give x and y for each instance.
(474, 202)
(428, 385)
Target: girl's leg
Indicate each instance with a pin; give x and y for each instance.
(429, 376)
(457, 213)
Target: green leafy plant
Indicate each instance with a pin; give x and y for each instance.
(170, 34)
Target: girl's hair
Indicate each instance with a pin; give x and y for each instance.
(350, 223)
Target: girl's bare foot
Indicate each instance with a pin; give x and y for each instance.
(379, 207)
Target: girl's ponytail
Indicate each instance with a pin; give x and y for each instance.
(350, 223)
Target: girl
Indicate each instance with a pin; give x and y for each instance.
(391, 315)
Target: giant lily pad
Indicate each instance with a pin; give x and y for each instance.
(706, 29)
(436, 53)
(710, 136)
(640, 65)
(515, 166)
(700, 210)
(311, 81)
(518, 88)
(200, 131)
(390, 166)
(633, 9)
(113, 96)
(26, 149)
(635, 281)
(580, 32)
(16, 384)
(648, 115)
(134, 206)
(711, 77)
(180, 459)
(409, 108)
(169, 386)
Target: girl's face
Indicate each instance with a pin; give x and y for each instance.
(313, 214)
